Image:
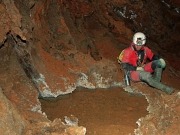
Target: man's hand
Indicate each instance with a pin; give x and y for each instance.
(140, 69)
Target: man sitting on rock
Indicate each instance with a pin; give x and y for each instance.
(134, 61)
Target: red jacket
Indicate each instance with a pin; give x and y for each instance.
(130, 56)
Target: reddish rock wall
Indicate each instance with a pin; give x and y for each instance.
(49, 48)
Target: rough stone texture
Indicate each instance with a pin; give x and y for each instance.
(163, 113)
(11, 121)
(49, 48)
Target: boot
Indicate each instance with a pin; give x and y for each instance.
(147, 77)
(157, 74)
(154, 83)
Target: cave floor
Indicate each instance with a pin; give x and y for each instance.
(101, 111)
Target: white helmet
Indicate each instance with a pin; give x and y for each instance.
(139, 38)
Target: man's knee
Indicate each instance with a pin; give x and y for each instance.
(158, 64)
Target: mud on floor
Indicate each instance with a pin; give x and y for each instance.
(101, 111)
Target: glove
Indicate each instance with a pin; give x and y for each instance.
(140, 69)
(163, 63)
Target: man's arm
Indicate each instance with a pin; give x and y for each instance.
(128, 67)
(124, 59)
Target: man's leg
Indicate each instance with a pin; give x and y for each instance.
(157, 75)
(155, 67)
(147, 77)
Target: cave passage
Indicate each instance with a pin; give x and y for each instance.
(102, 111)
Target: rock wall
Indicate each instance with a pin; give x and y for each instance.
(48, 48)
(11, 121)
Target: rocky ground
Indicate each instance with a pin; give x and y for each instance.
(50, 48)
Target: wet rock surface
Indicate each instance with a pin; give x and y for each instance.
(49, 48)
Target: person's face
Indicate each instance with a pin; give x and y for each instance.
(138, 47)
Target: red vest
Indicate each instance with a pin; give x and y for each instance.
(129, 55)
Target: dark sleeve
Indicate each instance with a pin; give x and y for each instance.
(155, 57)
(128, 67)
